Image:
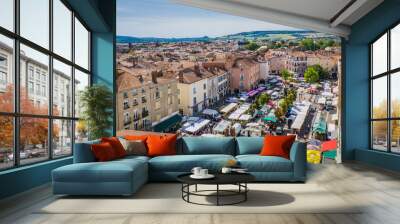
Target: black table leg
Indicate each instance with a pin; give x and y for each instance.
(217, 194)
(245, 193)
(195, 188)
(188, 190)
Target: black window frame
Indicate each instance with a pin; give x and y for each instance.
(16, 115)
(388, 74)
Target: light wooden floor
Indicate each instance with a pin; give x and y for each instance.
(379, 189)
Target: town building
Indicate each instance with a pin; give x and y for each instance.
(218, 85)
(144, 100)
(193, 89)
(296, 63)
(245, 74)
(34, 82)
(328, 62)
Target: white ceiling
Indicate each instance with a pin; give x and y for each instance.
(319, 15)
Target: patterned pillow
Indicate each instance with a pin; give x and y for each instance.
(134, 147)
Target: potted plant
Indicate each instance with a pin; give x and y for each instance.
(96, 102)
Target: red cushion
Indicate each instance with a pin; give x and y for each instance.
(116, 145)
(103, 152)
(161, 145)
(277, 145)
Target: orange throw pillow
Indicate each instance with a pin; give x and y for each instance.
(136, 137)
(161, 145)
(103, 152)
(277, 146)
(116, 145)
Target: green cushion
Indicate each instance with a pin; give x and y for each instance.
(185, 163)
(249, 145)
(257, 163)
(208, 145)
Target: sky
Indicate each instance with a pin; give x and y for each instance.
(162, 18)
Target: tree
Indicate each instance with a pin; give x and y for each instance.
(311, 75)
(97, 102)
(291, 96)
(284, 105)
(279, 112)
(312, 45)
(252, 46)
(262, 99)
(33, 131)
(307, 44)
(286, 75)
(323, 73)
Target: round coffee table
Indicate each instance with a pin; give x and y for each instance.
(238, 179)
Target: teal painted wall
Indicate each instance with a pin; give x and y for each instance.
(103, 69)
(356, 83)
(99, 15)
(24, 178)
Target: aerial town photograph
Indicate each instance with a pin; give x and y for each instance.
(199, 111)
(237, 82)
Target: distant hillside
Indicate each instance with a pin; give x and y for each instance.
(253, 34)
(260, 35)
(128, 39)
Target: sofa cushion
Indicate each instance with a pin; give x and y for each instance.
(112, 171)
(278, 145)
(116, 145)
(134, 147)
(208, 145)
(83, 152)
(185, 163)
(161, 145)
(104, 152)
(249, 145)
(257, 163)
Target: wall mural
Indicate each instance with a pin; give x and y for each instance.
(202, 73)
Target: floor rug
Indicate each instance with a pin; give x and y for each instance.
(167, 198)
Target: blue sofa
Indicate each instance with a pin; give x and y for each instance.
(125, 176)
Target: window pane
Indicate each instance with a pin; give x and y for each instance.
(395, 95)
(6, 142)
(395, 136)
(81, 45)
(379, 98)
(62, 138)
(33, 139)
(379, 56)
(81, 131)
(7, 14)
(379, 135)
(34, 97)
(395, 47)
(62, 89)
(6, 74)
(81, 82)
(35, 21)
(62, 29)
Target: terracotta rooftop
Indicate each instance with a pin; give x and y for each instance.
(128, 79)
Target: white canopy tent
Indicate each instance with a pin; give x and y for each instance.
(244, 117)
(221, 127)
(228, 108)
(197, 126)
(237, 113)
(301, 115)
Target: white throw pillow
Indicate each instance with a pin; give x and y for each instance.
(134, 147)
